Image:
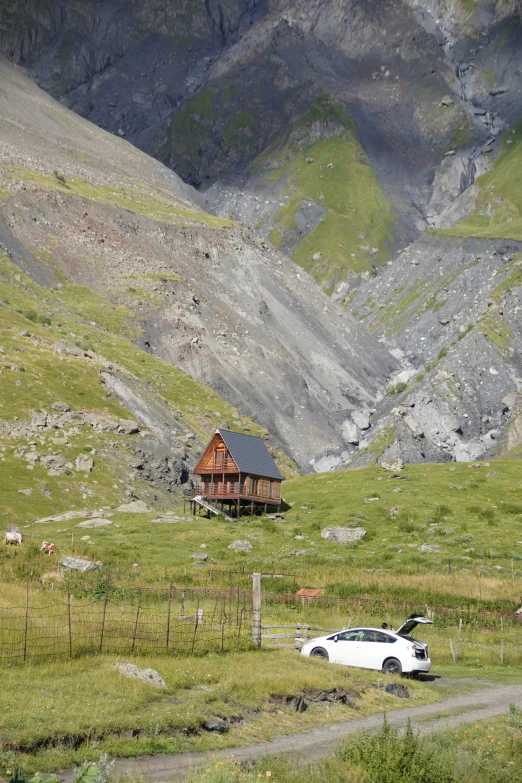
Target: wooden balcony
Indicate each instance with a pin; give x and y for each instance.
(220, 464)
(232, 490)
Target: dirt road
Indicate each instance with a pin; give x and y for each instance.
(487, 701)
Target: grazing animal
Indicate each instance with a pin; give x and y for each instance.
(48, 547)
(12, 538)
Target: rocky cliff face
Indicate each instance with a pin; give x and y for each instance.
(221, 90)
(207, 295)
(341, 132)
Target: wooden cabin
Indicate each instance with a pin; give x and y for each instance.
(237, 471)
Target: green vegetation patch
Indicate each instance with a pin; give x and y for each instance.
(358, 218)
(498, 213)
(137, 197)
(74, 711)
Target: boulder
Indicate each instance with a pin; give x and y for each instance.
(136, 507)
(216, 724)
(84, 463)
(361, 419)
(78, 564)
(241, 546)
(343, 535)
(349, 432)
(199, 556)
(67, 349)
(62, 407)
(393, 465)
(395, 689)
(149, 676)
(96, 522)
(39, 421)
(53, 461)
(431, 548)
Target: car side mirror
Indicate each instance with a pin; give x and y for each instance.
(336, 638)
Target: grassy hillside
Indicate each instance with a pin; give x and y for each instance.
(498, 212)
(468, 515)
(340, 179)
(33, 376)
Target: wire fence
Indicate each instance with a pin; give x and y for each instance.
(352, 607)
(65, 627)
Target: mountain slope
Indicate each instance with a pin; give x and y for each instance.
(209, 87)
(204, 294)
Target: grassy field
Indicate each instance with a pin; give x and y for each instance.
(58, 715)
(471, 516)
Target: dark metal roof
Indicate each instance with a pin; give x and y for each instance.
(251, 454)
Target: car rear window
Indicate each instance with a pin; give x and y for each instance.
(378, 636)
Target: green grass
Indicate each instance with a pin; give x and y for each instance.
(498, 213)
(135, 197)
(487, 751)
(58, 715)
(469, 515)
(357, 214)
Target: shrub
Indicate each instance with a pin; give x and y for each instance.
(44, 319)
(31, 315)
(397, 389)
(387, 756)
(59, 177)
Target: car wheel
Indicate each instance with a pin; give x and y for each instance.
(320, 652)
(392, 666)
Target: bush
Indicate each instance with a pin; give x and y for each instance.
(397, 389)
(387, 756)
(31, 315)
(59, 177)
(44, 319)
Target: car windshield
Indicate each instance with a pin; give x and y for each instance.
(356, 635)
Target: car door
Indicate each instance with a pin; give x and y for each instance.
(377, 647)
(345, 647)
(411, 623)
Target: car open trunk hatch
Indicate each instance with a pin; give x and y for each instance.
(412, 622)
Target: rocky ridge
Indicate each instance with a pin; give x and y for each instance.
(209, 88)
(203, 294)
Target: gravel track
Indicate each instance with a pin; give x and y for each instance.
(487, 701)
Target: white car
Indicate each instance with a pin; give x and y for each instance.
(392, 652)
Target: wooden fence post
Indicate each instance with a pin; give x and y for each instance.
(104, 611)
(168, 616)
(502, 641)
(26, 619)
(256, 610)
(137, 620)
(458, 640)
(69, 618)
(305, 637)
(298, 637)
